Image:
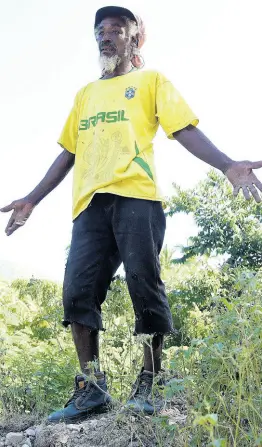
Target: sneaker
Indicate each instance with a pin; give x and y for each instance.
(145, 396)
(89, 396)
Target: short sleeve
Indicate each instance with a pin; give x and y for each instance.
(69, 135)
(172, 111)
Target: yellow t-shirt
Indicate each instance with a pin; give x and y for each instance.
(110, 130)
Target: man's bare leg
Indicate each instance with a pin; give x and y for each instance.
(87, 347)
(153, 354)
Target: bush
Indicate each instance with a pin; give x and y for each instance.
(38, 359)
(222, 373)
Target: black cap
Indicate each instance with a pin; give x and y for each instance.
(113, 11)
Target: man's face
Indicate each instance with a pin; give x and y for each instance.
(113, 40)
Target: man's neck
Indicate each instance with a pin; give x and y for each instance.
(120, 70)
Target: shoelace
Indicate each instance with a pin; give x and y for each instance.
(79, 392)
(145, 385)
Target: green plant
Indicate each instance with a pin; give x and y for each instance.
(225, 396)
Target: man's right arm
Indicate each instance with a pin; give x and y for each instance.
(55, 174)
(23, 208)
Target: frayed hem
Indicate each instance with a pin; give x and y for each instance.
(67, 323)
(168, 332)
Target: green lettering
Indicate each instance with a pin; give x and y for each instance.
(93, 120)
(111, 117)
(101, 116)
(84, 125)
(123, 116)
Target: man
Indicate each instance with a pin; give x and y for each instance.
(117, 210)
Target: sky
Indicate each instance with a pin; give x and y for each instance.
(209, 49)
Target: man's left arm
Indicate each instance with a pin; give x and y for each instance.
(239, 173)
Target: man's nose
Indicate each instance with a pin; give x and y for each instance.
(106, 38)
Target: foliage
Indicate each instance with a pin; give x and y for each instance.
(227, 226)
(192, 287)
(38, 360)
(225, 369)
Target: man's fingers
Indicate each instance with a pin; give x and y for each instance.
(10, 223)
(254, 193)
(256, 164)
(236, 190)
(257, 183)
(13, 228)
(7, 208)
(246, 193)
(250, 188)
(16, 221)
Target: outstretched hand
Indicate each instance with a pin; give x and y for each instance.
(22, 209)
(241, 175)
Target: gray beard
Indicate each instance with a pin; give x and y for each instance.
(109, 64)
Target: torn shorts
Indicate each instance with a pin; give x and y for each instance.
(115, 229)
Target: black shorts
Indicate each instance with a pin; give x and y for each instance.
(112, 230)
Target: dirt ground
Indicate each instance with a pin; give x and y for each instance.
(114, 429)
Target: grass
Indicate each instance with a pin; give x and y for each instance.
(214, 398)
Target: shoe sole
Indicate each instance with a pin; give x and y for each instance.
(98, 410)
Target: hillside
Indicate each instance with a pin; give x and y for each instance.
(108, 430)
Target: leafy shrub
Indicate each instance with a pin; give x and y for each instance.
(222, 373)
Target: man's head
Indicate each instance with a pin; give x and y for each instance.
(118, 35)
